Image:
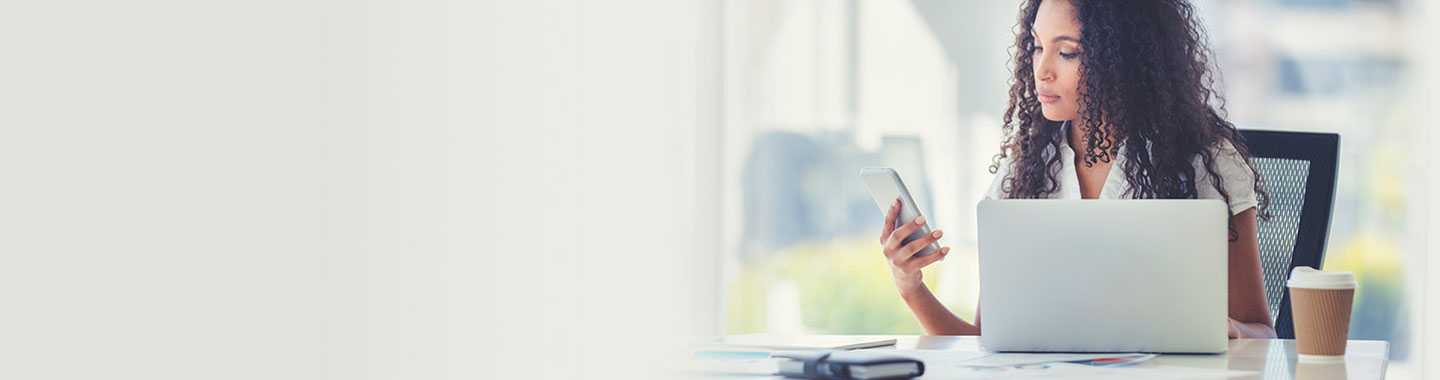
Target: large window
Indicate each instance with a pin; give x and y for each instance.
(815, 90)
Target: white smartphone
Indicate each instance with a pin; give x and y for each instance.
(885, 186)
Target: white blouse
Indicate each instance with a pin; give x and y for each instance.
(1239, 179)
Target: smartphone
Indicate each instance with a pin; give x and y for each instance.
(885, 186)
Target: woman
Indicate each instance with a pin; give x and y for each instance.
(1111, 99)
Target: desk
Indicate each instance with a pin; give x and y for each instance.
(1265, 358)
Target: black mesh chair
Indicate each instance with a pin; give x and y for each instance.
(1299, 174)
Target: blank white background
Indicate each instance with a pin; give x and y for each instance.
(338, 189)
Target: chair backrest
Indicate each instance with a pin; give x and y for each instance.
(1298, 170)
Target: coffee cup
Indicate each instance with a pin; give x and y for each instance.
(1320, 303)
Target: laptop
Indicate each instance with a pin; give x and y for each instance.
(1104, 275)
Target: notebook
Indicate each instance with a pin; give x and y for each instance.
(858, 365)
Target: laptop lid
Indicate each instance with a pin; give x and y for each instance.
(1104, 275)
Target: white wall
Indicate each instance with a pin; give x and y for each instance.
(338, 189)
(1426, 294)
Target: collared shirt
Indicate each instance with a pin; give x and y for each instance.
(1239, 178)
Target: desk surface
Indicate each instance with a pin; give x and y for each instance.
(1261, 358)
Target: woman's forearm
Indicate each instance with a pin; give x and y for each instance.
(1258, 330)
(934, 317)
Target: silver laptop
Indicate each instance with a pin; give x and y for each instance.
(1103, 275)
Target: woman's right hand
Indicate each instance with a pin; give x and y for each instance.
(904, 265)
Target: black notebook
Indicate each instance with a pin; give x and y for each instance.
(858, 365)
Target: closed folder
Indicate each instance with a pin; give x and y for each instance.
(858, 365)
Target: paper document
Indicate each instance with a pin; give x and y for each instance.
(941, 364)
(1008, 359)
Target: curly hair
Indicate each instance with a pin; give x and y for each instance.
(1145, 66)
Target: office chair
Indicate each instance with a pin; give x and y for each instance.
(1298, 170)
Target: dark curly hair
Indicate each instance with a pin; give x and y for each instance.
(1145, 66)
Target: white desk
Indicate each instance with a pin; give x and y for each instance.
(1263, 358)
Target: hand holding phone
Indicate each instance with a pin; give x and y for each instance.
(887, 189)
(906, 239)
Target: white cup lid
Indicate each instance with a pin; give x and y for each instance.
(1307, 277)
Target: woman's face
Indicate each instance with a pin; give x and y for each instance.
(1057, 60)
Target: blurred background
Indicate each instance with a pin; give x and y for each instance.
(563, 188)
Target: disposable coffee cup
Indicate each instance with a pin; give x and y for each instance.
(1320, 302)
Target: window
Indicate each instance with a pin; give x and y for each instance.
(816, 90)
